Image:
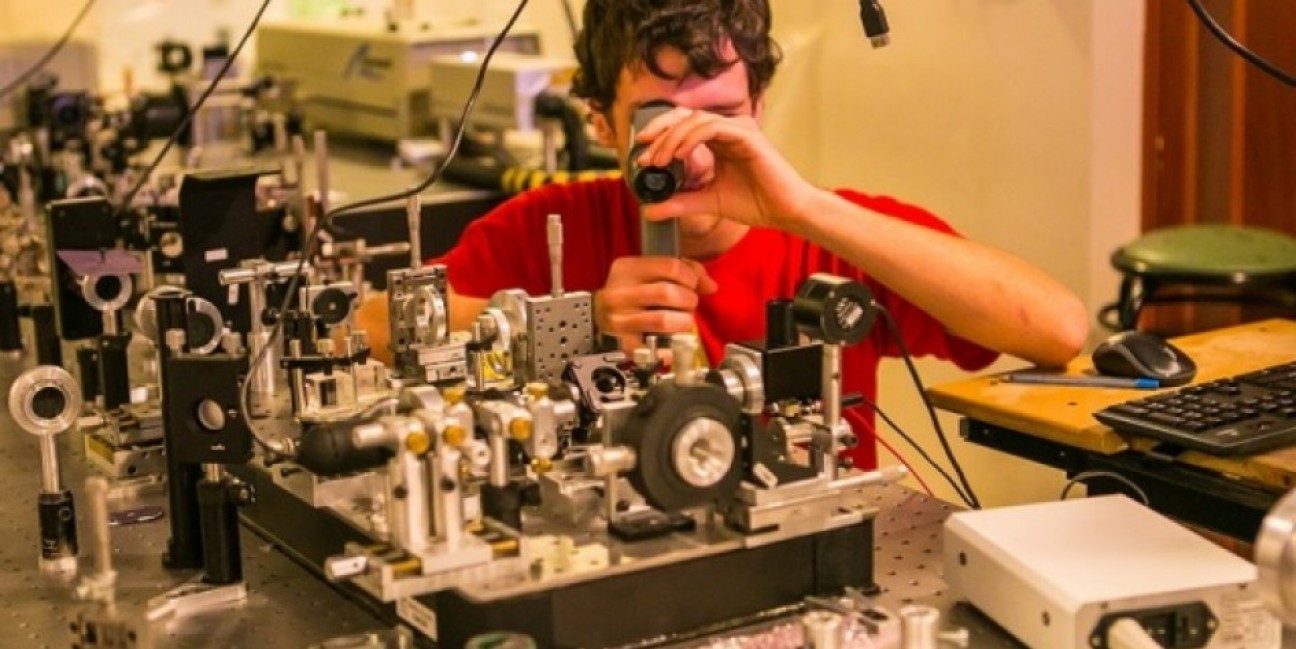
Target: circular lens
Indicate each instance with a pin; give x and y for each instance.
(108, 287)
(201, 330)
(655, 181)
(48, 402)
(211, 415)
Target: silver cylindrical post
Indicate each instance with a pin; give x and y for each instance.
(414, 217)
(549, 130)
(919, 627)
(831, 396)
(110, 327)
(297, 376)
(51, 477)
(322, 171)
(263, 378)
(499, 469)
(555, 239)
(448, 506)
(299, 177)
(212, 472)
(822, 629)
(97, 490)
(684, 351)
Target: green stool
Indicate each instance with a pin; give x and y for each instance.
(1221, 263)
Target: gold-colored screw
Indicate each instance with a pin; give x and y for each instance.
(520, 429)
(455, 435)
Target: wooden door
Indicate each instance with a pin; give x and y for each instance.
(1219, 137)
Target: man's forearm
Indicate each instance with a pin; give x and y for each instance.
(978, 292)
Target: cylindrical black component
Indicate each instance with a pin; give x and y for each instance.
(780, 328)
(651, 184)
(184, 548)
(114, 375)
(834, 309)
(88, 364)
(10, 331)
(222, 560)
(873, 18)
(58, 535)
(327, 450)
(49, 349)
(503, 504)
(654, 184)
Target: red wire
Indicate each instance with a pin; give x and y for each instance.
(872, 430)
(905, 462)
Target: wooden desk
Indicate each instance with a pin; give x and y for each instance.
(1055, 425)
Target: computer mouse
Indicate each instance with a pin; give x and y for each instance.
(1141, 355)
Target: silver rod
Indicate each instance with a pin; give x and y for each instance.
(499, 459)
(414, 217)
(610, 497)
(322, 171)
(299, 177)
(831, 391)
(349, 351)
(263, 378)
(549, 144)
(297, 377)
(555, 239)
(684, 350)
(110, 327)
(51, 482)
(97, 489)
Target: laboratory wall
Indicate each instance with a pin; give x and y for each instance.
(1015, 120)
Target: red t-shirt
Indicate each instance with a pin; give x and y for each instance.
(506, 249)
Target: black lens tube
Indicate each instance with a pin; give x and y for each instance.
(651, 184)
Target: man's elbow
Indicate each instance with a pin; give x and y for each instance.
(1065, 332)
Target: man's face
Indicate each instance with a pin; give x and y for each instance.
(724, 94)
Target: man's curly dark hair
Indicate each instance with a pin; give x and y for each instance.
(618, 33)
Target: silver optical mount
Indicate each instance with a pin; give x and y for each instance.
(258, 275)
(107, 294)
(45, 401)
(1275, 559)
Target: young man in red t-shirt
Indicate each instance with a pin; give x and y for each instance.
(751, 228)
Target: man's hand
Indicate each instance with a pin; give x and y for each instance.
(734, 172)
(646, 295)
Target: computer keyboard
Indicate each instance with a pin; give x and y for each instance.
(1244, 414)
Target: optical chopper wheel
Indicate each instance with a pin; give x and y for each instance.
(688, 446)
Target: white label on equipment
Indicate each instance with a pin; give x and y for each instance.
(418, 615)
(219, 254)
(1245, 624)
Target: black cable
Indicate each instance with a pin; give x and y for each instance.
(921, 451)
(1241, 50)
(49, 56)
(894, 330)
(459, 131)
(193, 110)
(321, 223)
(570, 14)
